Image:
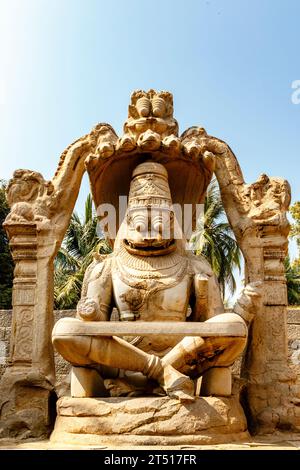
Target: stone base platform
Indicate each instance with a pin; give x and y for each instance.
(158, 421)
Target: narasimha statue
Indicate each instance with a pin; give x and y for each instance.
(151, 277)
(152, 346)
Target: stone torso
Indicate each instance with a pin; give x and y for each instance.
(151, 289)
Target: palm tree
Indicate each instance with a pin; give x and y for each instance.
(216, 240)
(76, 253)
(292, 270)
(292, 274)
(6, 261)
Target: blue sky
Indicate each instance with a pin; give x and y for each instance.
(68, 64)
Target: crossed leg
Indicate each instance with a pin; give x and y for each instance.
(118, 353)
(189, 358)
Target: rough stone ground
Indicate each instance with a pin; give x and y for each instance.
(280, 441)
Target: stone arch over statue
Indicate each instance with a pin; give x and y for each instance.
(39, 217)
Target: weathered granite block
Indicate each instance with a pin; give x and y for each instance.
(149, 421)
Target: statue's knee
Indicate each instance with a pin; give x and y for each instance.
(62, 345)
(232, 350)
(229, 317)
(240, 344)
(73, 349)
(233, 318)
(192, 343)
(59, 342)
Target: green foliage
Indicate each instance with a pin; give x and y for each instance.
(295, 229)
(79, 245)
(292, 273)
(292, 269)
(216, 242)
(6, 261)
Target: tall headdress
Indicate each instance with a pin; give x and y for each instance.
(149, 186)
(151, 136)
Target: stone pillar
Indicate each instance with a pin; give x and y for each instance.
(270, 381)
(29, 378)
(39, 217)
(24, 251)
(257, 214)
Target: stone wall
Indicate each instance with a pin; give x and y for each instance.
(62, 367)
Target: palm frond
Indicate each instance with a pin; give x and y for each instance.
(65, 260)
(217, 242)
(292, 274)
(75, 255)
(88, 210)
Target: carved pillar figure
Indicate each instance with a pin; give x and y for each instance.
(28, 381)
(257, 214)
(39, 217)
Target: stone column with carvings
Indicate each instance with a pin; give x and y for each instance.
(257, 214)
(28, 381)
(40, 214)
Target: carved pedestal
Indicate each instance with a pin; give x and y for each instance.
(148, 421)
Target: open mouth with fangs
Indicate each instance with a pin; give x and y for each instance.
(150, 250)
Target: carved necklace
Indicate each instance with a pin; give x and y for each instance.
(165, 269)
(146, 276)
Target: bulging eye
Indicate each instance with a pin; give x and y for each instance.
(139, 223)
(140, 227)
(158, 227)
(157, 223)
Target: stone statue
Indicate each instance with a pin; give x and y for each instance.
(172, 342)
(25, 195)
(152, 278)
